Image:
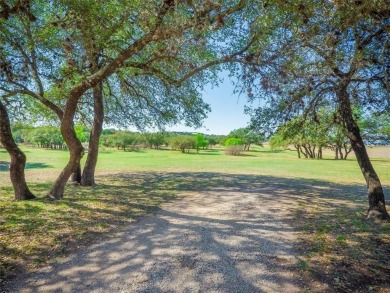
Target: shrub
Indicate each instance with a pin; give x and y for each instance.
(234, 146)
(234, 150)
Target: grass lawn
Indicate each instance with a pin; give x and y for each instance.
(44, 165)
(131, 184)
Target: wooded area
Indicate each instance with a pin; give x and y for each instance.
(143, 63)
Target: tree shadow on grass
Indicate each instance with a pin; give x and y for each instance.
(203, 153)
(248, 154)
(268, 151)
(119, 199)
(37, 166)
(4, 166)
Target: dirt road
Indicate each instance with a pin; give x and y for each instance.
(224, 239)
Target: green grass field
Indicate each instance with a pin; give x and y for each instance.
(131, 184)
(45, 165)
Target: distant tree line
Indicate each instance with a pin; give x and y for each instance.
(49, 137)
(310, 136)
(156, 140)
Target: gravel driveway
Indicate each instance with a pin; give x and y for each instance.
(224, 239)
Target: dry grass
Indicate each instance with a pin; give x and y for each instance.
(341, 250)
(32, 232)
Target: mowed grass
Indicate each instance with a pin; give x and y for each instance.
(133, 183)
(45, 165)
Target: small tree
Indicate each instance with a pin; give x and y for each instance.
(234, 146)
(122, 139)
(248, 136)
(339, 143)
(200, 141)
(155, 140)
(46, 137)
(212, 140)
(182, 142)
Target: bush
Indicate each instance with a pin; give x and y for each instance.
(234, 150)
(234, 146)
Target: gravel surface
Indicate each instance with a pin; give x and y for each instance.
(224, 239)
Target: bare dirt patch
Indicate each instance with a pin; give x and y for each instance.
(222, 233)
(225, 233)
(379, 151)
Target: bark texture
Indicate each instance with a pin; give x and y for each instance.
(376, 197)
(76, 153)
(76, 175)
(18, 158)
(67, 130)
(88, 176)
(76, 149)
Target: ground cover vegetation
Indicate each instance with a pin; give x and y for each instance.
(131, 184)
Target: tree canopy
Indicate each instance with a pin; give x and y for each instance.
(144, 63)
(148, 59)
(331, 54)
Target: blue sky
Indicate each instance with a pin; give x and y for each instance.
(227, 110)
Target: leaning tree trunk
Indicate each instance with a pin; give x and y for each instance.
(76, 149)
(18, 158)
(376, 197)
(76, 175)
(88, 177)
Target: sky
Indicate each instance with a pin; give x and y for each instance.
(227, 110)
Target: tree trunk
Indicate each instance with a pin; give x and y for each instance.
(88, 177)
(57, 191)
(347, 150)
(376, 197)
(319, 153)
(76, 149)
(298, 147)
(76, 175)
(18, 158)
(306, 152)
(341, 153)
